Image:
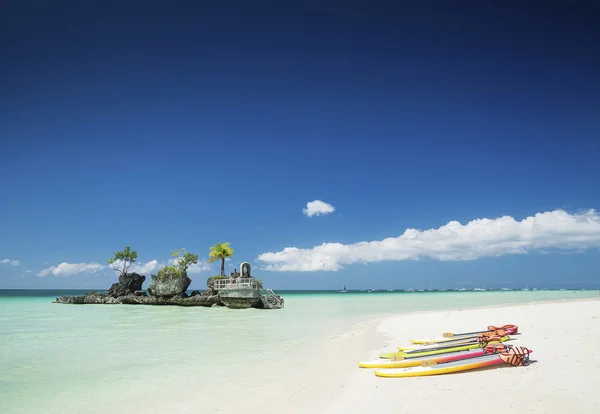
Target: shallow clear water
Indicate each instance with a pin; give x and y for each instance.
(83, 358)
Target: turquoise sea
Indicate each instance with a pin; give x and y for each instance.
(99, 358)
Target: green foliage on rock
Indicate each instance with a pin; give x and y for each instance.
(122, 260)
(167, 272)
(180, 266)
(218, 277)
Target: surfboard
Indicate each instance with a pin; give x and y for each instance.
(413, 362)
(443, 368)
(415, 352)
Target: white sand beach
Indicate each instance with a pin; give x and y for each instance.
(563, 376)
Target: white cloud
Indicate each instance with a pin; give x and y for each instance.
(198, 268)
(144, 268)
(317, 207)
(479, 238)
(69, 269)
(10, 262)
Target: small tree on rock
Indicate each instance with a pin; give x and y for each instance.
(185, 261)
(122, 260)
(220, 251)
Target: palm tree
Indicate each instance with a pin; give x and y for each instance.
(220, 251)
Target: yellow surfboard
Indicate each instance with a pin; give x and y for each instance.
(438, 369)
(434, 368)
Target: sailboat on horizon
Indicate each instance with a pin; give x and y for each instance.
(343, 291)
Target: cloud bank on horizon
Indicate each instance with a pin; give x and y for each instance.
(477, 239)
(144, 268)
(317, 208)
(10, 262)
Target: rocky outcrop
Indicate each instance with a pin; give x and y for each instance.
(170, 289)
(169, 285)
(132, 299)
(197, 300)
(206, 299)
(88, 298)
(244, 302)
(241, 303)
(128, 284)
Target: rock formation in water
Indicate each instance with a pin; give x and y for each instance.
(128, 284)
(170, 289)
(137, 299)
(169, 286)
(128, 291)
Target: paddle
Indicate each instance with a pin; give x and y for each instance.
(488, 348)
(482, 337)
(514, 329)
(499, 332)
(483, 340)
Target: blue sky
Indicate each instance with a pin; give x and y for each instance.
(181, 125)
